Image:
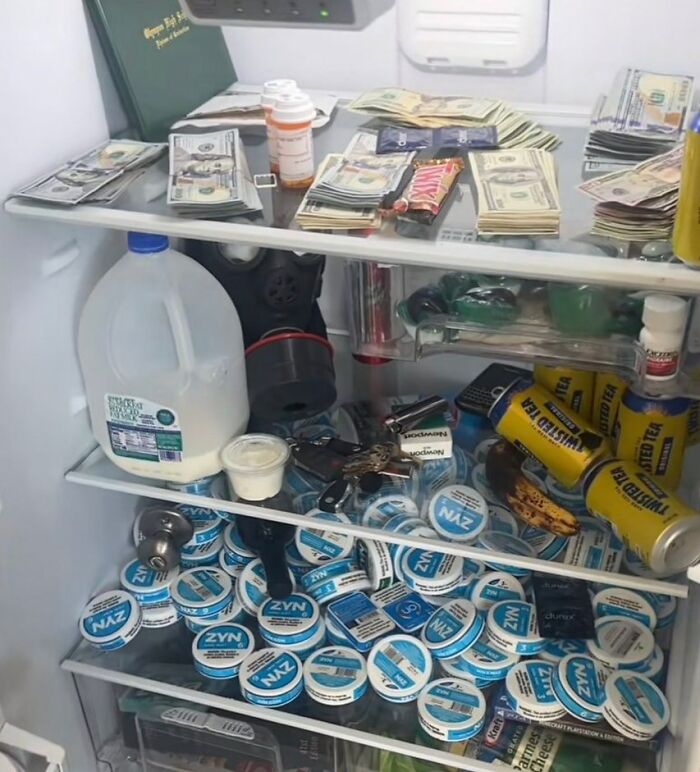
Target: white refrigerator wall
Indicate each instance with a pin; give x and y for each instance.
(588, 41)
(58, 543)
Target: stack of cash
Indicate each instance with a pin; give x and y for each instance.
(642, 116)
(517, 192)
(101, 175)
(209, 176)
(399, 106)
(316, 215)
(638, 204)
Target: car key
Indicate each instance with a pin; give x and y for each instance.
(319, 460)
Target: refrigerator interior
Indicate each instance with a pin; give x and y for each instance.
(62, 543)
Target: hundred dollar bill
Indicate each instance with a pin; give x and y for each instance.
(411, 108)
(315, 215)
(209, 175)
(361, 181)
(651, 179)
(80, 180)
(517, 192)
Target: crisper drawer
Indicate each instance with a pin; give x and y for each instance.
(410, 312)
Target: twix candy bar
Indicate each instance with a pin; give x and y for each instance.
(429, 189)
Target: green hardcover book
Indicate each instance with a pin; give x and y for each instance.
(163, 64)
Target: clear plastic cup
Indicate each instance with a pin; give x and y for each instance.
(255, 465)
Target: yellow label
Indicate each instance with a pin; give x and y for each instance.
(693, 424)
(686, 234)
(640, 509)
(542, 426)
(606, 401)
(573, 387)
(652, 433)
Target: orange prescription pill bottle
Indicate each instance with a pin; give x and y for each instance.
(271, 90)
(292, 116)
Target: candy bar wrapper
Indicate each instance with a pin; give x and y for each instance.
(429, 189)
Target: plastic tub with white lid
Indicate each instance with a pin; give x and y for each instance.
(290, 620)
(203, 555)
(578, 681)
(271, 678)
(232, 613)
(530, 693)
(201, 592)
(318, 543)
(255, 465)
(163, 614)
(110, 620)
(483, 661)
(619, 601)
(451, 710)
(251, 587)
(219, 651)
(431, 573)
(452, 629)
(635, 706)
(458, 512)
(493, 587)
(512, 626)
(335, 675)
(621, 642)
(147, 585)
(399, 666)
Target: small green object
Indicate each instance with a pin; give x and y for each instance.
(455, 284)
(491, 307)
(580, 309)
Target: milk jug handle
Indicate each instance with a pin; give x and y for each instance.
(181, 333)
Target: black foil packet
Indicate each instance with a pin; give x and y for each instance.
(399, 139)
(564, 608)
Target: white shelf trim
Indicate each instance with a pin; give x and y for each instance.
(87, 473)
(475, 257)
(276, 716)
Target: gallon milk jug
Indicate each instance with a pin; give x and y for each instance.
(162, 356)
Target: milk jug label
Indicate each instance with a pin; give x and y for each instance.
(143, 430)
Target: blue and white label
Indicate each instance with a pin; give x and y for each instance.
(431, 572)
(494, 587)
(335, 676)
(555, 650)
(399, 667)
(272, 671)
(206, 523)
(147, 585)
(496, 541)
(220, 650)
(613, 601)
(451, 710)
(546, 545)
(588, 548)
(503, 520)
(452, 629)
(202, 591)
(288, 621)
(482, 660)
(512, 626)
(111, 620)
(635, 706)
(579, 683)
(530, 691)
(329, 571)
(319, 546)
(458, 513)
(382, 508)
(203, 555)
(404, 606)
(361, 620)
